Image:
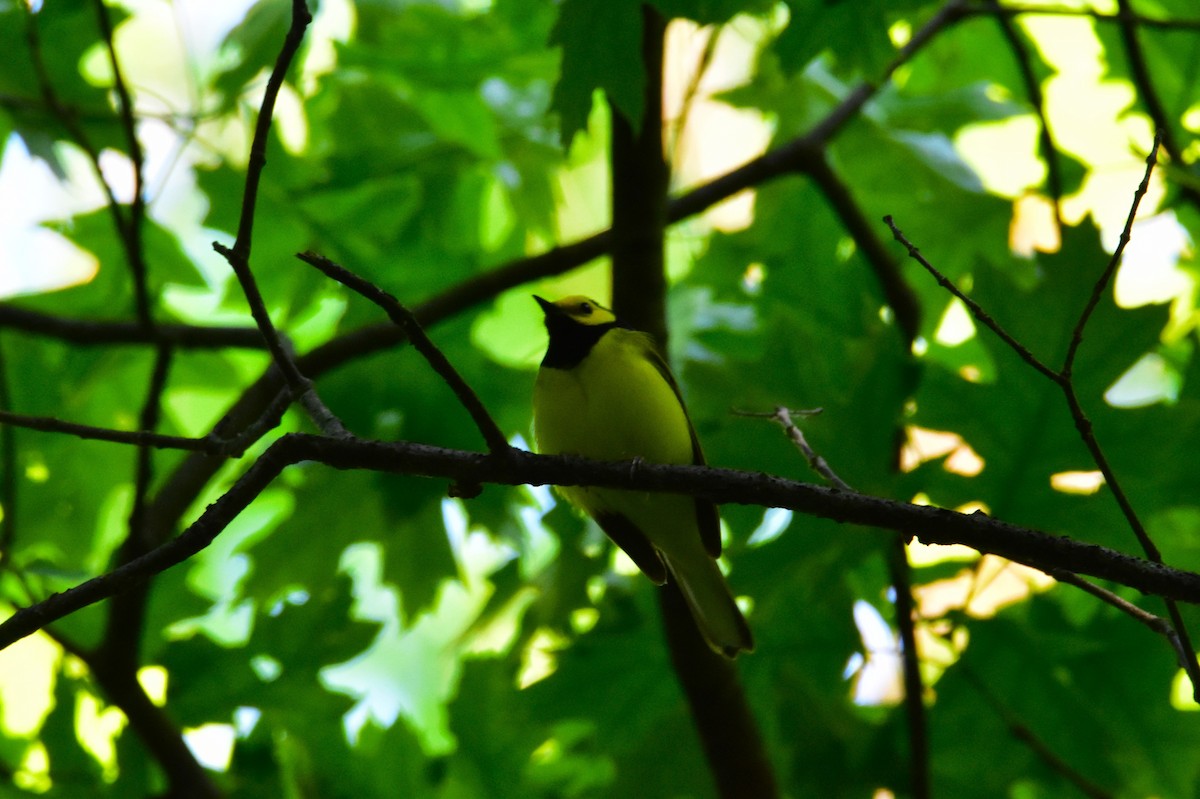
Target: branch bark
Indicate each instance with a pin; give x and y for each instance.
(928, 524)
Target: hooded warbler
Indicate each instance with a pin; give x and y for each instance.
(603, 392)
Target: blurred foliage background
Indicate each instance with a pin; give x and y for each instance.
(360, 634)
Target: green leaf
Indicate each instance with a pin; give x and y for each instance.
(601, 50)
(252, 46)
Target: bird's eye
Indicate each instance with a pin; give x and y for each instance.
(585, 308)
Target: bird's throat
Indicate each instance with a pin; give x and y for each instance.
(570, 342)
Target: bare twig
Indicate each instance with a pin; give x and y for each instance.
(301, 387)
(900, 574)
(1033, 89)
(978, 312)
(1063, 379)
(1101, 284)
(1140, 73)
(1124, 14)
(1019, 730)
(817, 463)
(131, 230)
(403, 318)
(238, 255)
(1086, 432)
(138, 438)
(8, 462)
(262, 127)
(1155, 623)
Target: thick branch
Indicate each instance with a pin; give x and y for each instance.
(728, 732)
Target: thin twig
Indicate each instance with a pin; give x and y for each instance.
(1063, 379)
(131, 230)
(1087, 433)
(301, 387)
(138, 438)
(1019, 730)
(980, 315)
(783, 416)
(403, 318)
(1105, 278)
(238, 255)
(8, 462)
(262, 127)
(1033, 89)
(1156, 624)
(900, 575)
(1122, 15)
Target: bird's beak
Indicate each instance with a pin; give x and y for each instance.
(547, 306)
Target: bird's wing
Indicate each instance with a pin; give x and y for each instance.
(707, 517)
(633, 542)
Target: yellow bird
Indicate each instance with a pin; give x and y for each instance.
(603, 392)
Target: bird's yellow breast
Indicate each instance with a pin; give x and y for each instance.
(613, 405)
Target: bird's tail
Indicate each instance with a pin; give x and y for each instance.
(720, 620)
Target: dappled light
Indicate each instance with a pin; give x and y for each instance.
(860, 460)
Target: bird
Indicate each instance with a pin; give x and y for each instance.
(604, 392)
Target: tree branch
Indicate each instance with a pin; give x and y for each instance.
(119, 646)
(1021, 731)
(238, 256)
(139, 438)
(1033, 89)
(102, 332)
(727, 729)
(981, 316)
(131, 227)
(1063, 379)
(929, 524)
(405, 319)
(8, 463)
(1124, 14)
(900, 574)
